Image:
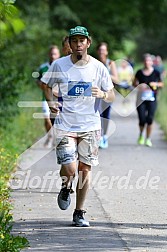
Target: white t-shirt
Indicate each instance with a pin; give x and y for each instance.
(79, 111)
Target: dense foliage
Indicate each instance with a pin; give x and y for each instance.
(141, 21)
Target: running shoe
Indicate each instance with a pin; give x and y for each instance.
(64, 199)
(103, 142)
(148, 142)
(141, 140)
(78, 219)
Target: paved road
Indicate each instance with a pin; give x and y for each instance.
(126, 204)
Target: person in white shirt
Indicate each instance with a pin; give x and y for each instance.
(80, 79)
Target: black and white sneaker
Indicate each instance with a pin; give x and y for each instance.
(78, 219)
(64, 199)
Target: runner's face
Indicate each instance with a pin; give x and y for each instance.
(79, 44)
(54, 54)
(102, 51)
(148, 62)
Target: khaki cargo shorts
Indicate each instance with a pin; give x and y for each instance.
(83, 146)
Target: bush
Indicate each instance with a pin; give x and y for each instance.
(10, 88)
(8, 242)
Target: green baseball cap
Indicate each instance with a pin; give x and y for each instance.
(78, 30)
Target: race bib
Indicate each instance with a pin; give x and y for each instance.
(148, 95)
(79, 88)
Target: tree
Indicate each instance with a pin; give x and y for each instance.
(115, 21)
(152, 35)
(10, 23)
(10, 77)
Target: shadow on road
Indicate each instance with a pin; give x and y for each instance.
(101, 236)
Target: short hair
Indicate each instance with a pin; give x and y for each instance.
(53, 47)
(101, 44)
(146, 55)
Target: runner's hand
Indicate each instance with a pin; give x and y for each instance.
(54, 107)
(97, 92)
(153, 85)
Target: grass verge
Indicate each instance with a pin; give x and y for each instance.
(18, 135)
(161, 115)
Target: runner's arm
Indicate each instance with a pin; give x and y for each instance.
(53, 105)
(114, 73)
(135, 82)
(107, 96)
(158, 84)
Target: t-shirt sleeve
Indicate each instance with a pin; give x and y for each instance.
(51, 76)
(42, 69)
(40, 74)
(106, 82)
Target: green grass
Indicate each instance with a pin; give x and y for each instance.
(161, 115)
(24, 129)
(22, 132)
